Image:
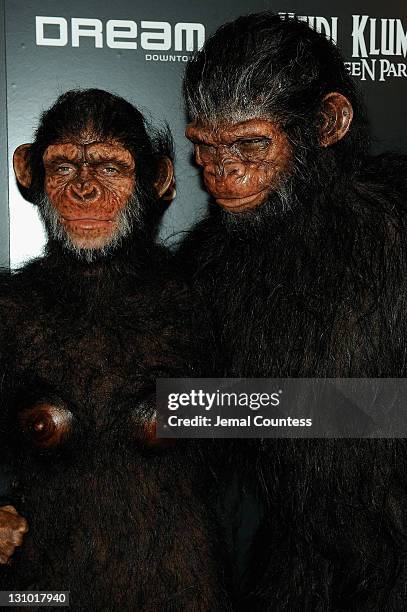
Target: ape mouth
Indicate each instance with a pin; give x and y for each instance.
(87, 222)
(241, 204)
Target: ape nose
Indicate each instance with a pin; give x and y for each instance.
(84, 191)
(227, 167)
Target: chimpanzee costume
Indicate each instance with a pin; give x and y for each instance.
(303, 266)
(114, 516)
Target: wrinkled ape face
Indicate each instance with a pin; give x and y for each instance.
(242, 162)
(89, 185)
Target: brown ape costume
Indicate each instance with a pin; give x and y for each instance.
(303, 267)
(114, 516)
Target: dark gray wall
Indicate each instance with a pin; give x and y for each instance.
(4, 220)
(37, 74)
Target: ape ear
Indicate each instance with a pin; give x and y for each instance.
(165, 183)
(336, 117)
(21, 165)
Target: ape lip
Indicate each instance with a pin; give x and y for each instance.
(232, 202)
(92, 219)
(87, 224)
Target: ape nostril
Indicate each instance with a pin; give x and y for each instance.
(226, 169)
(233, 167)
(89, 194)
(84, 191)
(219, 170)
(211, 169)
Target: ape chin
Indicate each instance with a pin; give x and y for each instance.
(116, 518)
(301, 264)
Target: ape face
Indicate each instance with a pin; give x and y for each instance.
(89, 184)
(80, 172)
(242, 162)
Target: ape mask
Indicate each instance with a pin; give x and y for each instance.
(258, 126)
(84, 172)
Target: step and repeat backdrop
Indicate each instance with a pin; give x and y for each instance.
(138, 49)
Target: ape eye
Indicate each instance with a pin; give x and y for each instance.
(252, 146)
(204, 152)
(110, 170)
(45, 425)
(65, 169)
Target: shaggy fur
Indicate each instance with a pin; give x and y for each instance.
(121, 525)
(313, 288)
